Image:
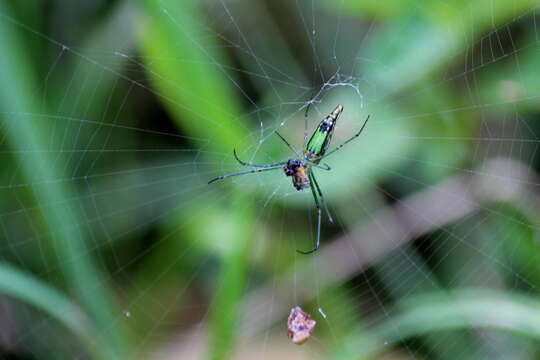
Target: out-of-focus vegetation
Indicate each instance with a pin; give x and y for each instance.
(115, 114)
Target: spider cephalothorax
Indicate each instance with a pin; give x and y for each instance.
(298, 171)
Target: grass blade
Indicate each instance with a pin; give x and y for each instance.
(18, 98)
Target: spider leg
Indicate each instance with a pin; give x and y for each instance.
(244, 163)
(289, 145)
(314, 181)
(258, 169)
(324, 166)
(306, 120)
(318, 239)
(348, 140)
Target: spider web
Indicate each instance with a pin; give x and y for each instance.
(433, 250)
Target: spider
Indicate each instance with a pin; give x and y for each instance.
(300, 169)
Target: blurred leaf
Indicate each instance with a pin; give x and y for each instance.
(265, 55)
(231, 286)
(94, 78)
(508, 84)
(463, 309)
(421, 281)
(376, 8)
(190, 76)
(519, 246)
(194, 83)
(26, 288)
(342, 314)
(18, 98)
(425, 36)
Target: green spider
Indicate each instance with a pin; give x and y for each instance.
(301, 167)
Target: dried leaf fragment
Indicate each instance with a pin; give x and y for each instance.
(300, 326)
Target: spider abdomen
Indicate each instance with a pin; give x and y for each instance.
(318, 143)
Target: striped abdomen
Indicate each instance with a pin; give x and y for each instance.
(320, 140)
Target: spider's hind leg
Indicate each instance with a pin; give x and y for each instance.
(312, 179)
(314, 187)
(318, 236)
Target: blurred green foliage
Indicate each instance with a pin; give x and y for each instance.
(115, 114)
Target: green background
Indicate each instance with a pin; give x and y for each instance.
(115, 114)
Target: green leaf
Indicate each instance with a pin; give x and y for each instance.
(18, 99)
(192, 80)
(463, 309)
(24, 287)
(232, 282)
(190, 76)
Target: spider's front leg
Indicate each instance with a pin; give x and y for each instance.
(245, 163)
